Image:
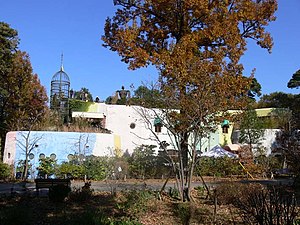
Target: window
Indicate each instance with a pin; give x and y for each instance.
(225, 129)
(70, 157)
(31, 156)
(158, 127)
(132, 125)
(157, 124)
(225, 126)
(52, 156)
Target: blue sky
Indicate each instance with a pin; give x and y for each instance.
(74, 27)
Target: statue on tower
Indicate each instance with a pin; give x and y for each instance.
(123, 96)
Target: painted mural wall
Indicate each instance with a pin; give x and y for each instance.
(60, 145)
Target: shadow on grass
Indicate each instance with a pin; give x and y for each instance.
(32, 210)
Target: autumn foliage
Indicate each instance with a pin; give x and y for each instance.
(196, 45)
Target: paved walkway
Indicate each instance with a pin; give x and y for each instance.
(118, 185)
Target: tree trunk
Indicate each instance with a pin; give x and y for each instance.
(185, 169)
(25, 172)
(2, 145)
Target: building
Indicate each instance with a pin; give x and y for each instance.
(129, 126)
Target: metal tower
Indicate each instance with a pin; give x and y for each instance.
(60, 93)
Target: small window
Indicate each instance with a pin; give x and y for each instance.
(132, 125)
(70, 157)
(225, 126)
(52, 156)
(157, 124)
(225, 129)
(31, 156)
(8, 155)
(42, 156)
(158, 127)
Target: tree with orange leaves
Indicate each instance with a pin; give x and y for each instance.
(196, 45)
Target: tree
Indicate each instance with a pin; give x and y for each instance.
(143, 162)
(149, 97)
(83, 94)
(294, 82)
(22, 97)
(284, 101)
(9, 41)
(47, 167)
(8, 45)
(27, 97)
(288, 144)
(196, 46)
(251, 128)
(28, 144)
(96, 168)
(255, 89)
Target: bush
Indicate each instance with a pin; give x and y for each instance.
(81, 194)
(5, 171)
(185, 212)
(97, 168)
(59, 192)
(135, 201)
(258, 204)
(70, 170)
(219, 167)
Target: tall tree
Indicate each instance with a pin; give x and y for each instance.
(196, 46)
(294, 82)
(9, 41)
(8, 45)
(27, 97)
(22, 97)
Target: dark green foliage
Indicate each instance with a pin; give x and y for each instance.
(70, 170)
(143, 162)
(251, 128)
(9, 41)
(174, 193)
(255, 89)
(283, 100)
(147, 97)
(97, 168)
(5, 171)
(58, 193)
(46, 167)
(294, 82)
(209, 166)
(83, 94)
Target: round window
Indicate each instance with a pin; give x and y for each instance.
(132, 125)
(42, 156)
(53, 156)
(70, 157)
(31, 156)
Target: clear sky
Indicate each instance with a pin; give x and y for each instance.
(48, 28)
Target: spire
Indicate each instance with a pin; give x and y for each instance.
(61, 63)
